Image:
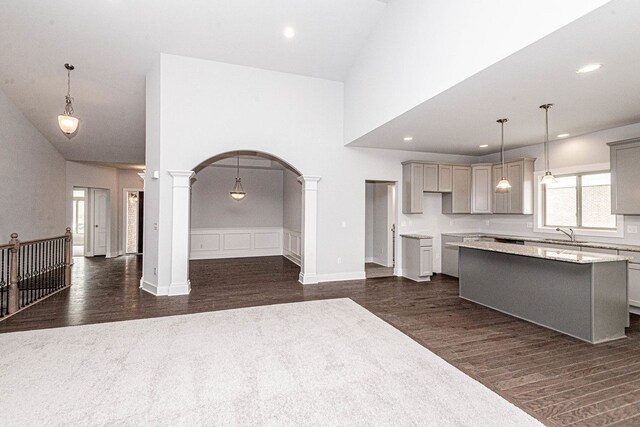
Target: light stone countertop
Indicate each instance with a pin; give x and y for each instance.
(540, 252)
(599, 245)
(416, 236)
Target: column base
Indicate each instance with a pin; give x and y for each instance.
(308, 279)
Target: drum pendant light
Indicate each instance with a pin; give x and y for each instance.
(503, 184)
(68, 124)
(548, 176)
(238, 192)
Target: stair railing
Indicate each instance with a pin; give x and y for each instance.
(33, 270)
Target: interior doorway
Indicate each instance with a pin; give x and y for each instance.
(100, 216)
(133, 214)
(79, 220)
(380, 228)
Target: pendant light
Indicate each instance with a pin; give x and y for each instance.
(503, 184)
(238, 192)
(548, 176)
(68, 124)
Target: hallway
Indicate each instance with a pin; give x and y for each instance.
(556, 378)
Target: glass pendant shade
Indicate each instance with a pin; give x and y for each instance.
(503, 185)
(548, 178)
(68, 124)
(238, 192)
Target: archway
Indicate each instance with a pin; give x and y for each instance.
(296, 243)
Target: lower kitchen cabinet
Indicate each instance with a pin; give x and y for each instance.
(417, 257)
(634, 280)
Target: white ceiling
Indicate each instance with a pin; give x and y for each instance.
(113, 43)
(463, 117)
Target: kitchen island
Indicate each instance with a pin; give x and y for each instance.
(580, 294)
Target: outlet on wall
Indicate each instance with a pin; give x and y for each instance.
(339, 260)
(529, 225)
(632, 228)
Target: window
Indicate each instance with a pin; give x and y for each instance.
(579, 201)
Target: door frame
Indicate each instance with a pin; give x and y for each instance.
(392, 218)
(123, 249)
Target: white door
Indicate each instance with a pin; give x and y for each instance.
(100, 215)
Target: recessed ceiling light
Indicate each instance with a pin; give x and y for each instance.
(408, 138)
(484, 145)
(589, 68)
(563, 135)
(289, 32)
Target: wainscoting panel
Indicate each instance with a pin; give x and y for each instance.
(213, 243)
(292, 244)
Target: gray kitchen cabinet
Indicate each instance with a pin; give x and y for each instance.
(500, 199)
(625, 176)
(481, 189)
(519, 198)
(426, 261)
(417, 257)
(430, 177)
(459, 200)
(438, 178)
(445, 178)
(633, 277)
(412, 187)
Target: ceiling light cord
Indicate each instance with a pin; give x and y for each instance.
(546, 137)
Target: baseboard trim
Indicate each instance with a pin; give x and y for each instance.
(340, 277)
(148, 287)
(292, 257)
(308, 279)
(176, 289)
(368, 259)
(111, 255)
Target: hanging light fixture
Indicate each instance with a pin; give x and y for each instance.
(548, 176)
(238, 192)
(68, 124)
(503, 184)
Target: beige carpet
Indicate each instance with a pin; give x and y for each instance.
(313, 363)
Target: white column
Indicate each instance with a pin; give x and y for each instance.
(180, 284)
(309, 258)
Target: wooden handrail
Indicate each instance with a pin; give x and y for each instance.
(46, 259)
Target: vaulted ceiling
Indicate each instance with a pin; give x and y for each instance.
(113, 43)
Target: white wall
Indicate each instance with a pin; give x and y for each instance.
(584, 150)
(32, 179)
(212, 207)
(420, 48)
(292, 202)
(298, 119)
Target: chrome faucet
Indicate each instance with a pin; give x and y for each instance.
(571, 234)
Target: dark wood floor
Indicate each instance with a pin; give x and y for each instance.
(559, 380)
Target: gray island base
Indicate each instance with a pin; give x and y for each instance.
(579, 294)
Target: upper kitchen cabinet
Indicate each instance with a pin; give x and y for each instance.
(438, 178)
(519, 198)
(625, 176)
(481, 189)
(412, 187)
(459, 200)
